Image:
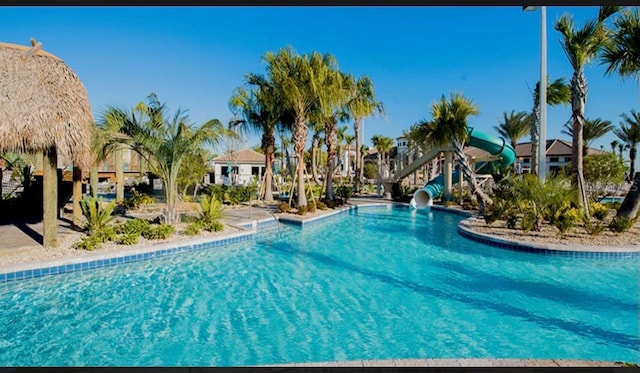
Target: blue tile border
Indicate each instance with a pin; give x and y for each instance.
(108, 262)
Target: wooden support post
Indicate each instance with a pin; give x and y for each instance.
(93, 180)
(119, 165)
(77, 196)
(448, 166)
(50, 197)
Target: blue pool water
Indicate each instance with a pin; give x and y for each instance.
(378, 283)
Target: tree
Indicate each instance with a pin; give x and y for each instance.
(383, 144)
(513, 128)
(629, 134)
(260, 108)
(593, 129)
(558, 92)
(614, 146)
(293, 78)
(192, 174)
(622, 55)
(602, 170)
(165, 142)
(449, 126)
(581, 46)
(362, 103)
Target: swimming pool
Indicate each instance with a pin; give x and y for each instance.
(374, 283)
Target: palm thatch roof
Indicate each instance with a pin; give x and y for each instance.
(42, 104)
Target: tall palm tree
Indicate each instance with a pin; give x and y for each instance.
(449, 126)
(514, 127)
(383, 144)
(163, 141)
(318, 130)
(593, 129)
(629, 134)
(614, 146)
(293, 77)
(260, 109)
(558, 92)
(622, 55)
(361, 104)
(581, 46)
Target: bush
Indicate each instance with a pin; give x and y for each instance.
(345, 192)
(97, 215)
(598, 210)
(105, 234)
(529, 219)
(88, 243)
(301, 210)
(210, 210)
(134, 226)
(594, 228)
(496, 211)
(137, 199)
(321, 205)
(160, 232)
(565, 218)
(127, 239)
(193, 229)
(621, 224)
(284, 207)
(214, 226)
(511, 218)
(312, 207)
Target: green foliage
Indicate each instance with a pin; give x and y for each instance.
(105, 234)
(284, 207)
(497, 210)
(88, 243)
(601, 170)
(193, 229)
(214, 226)
(565, 218)
(193, 169)
(511, 218)
(301, 210)
(370, 170)
(210, 209)
(127, 239)
(345, 192)
(134, 226)
(594, 228)
(529, 219)
(160, 232)
(598, 210)
(232, 195)
(137, 199)
(621, 224)
(321, 205)
(97, 214)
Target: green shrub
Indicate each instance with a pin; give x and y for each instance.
(97, 214)
(193, 229)
(345, 192)
(105, 234)
(137, 199)
(312, 207)
(88, 243)
(594, 228)
(496, 211)
(127, 239)
(284, 207)
(160, 232)
(301, 210)
(214, 226)
(565, 218)
(210, 210)
(621, 224)
(134, 226)
(598, 210)
(321, 205)
(529, 219)
(511, 217)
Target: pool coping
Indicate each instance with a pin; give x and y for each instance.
(471, 362)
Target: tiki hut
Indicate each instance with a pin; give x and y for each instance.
(44, 108)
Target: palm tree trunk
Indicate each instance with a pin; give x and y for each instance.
(535, 137)
(330, 141)
(77, 196)
(93, 180)
(357, 181)
(269, 143)
(470, 177)
(578, 102)
(314, 160)
(632, 161)
(299, 140)
(631, 203)
(119, 165)
(171, 194)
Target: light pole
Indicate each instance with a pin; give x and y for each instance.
(542, 146)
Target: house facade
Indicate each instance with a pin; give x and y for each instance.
(558, 155)
(236, 168)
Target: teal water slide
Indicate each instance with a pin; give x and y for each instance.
(496, 146)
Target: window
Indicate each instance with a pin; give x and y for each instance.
(212, 178)
(567, 159)
(554, 159)
(526, 160)
(255, 171)
(225, 170)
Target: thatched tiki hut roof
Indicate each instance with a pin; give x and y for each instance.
(44, 108)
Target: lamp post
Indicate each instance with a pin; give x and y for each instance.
(542, 146)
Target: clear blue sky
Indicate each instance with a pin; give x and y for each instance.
(193, 57)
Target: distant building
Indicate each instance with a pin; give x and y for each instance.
(237, 168)
(558, 155)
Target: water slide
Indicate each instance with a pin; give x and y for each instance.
(496, 146)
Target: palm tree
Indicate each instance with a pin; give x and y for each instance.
(293, 77)
(614, 146)
(318, 129)
(514, 127)
(581, 46)
(361, 104)
(449, 126)
(629, 134)
(260, 109)
(163, 141)
(593, 129)
(558, 92)
(383, 144)
(622, 55)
